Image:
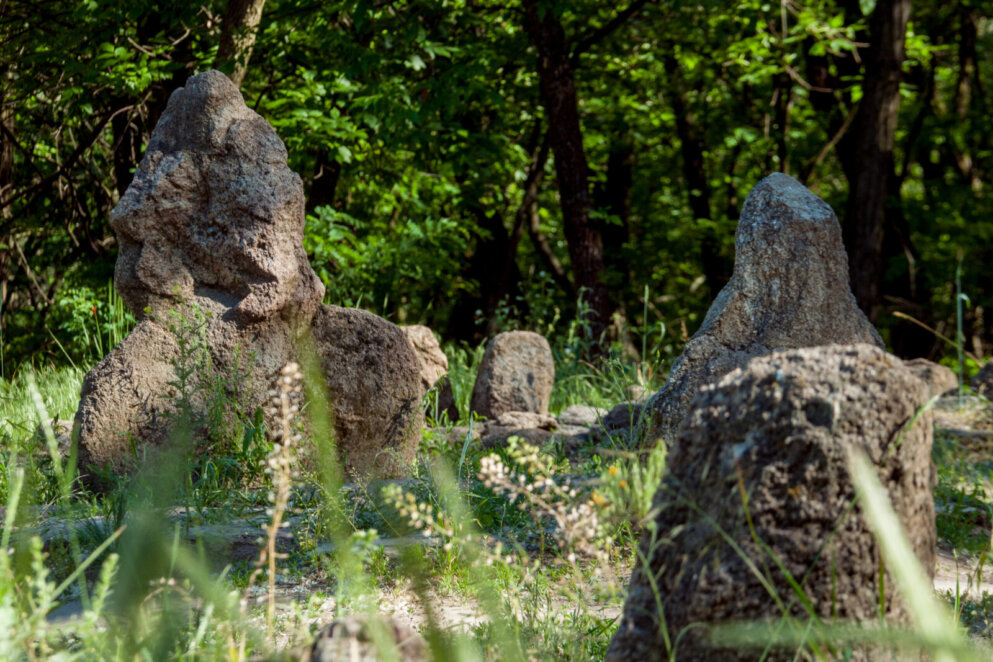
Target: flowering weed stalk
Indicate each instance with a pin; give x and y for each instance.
(281, 467)
(554, 497)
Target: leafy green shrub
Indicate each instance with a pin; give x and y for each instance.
(88, 324)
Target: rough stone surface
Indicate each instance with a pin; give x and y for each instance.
(784, 426)
(210, 234)
(351, 639)
(214, 213)
(374, 384)
(789, 289)
(983, 381)
(127, 396)
(620, 426)
(638, 393)
(569, 431)
(516, 374)
(535, 429)
(432, 361)
(497, 436)
(211, 225)
(581, 415)
(526, 419)
(623, 415)
(939, 379)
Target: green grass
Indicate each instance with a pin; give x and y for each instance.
(963, 496)
(193, 609)
(59, 388)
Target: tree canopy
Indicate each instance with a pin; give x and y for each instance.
(478, 165)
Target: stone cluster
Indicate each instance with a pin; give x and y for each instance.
(211, 263)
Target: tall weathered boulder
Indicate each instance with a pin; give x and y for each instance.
(432, 361)
(516, 374)
(781, 429)
(210, 236)
(210, 243)
(790, 289)
(374, 384)
(214, 217)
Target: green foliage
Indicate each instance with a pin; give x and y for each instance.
(21, 440)
(962, 497)
(627, 487)
(413, 127)
(155, 596)
(87, 325)
(225, 444)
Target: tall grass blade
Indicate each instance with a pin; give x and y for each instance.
(46, 426)
(81, 567)
(932, 621)
(13, 500)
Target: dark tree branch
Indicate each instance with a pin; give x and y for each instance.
(536, 172)
(83, 145)
(583, 44)
(544, 251)
(811, 168)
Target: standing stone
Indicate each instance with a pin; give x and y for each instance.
(214, 216)
(789, 289)
(210, 236)
(783, 427)
(983, 381)
(432, 361)
(128, 395)
(210, 229)
(516, 374)
(374, 384)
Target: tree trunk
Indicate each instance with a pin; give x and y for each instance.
(493, 266)
(558, 96)
(967, 57)
(241, 22)
(613, 198)
(6, 152)
(875, 127)
(715, 268)
(910, 291)
(324, 185)
(6, 188)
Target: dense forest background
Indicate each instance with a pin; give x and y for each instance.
(478, 165)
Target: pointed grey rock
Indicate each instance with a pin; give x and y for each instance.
(790, 289)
